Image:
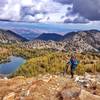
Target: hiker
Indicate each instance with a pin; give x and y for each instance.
(73, 62)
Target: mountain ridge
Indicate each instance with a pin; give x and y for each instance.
(8, 36)
(49, 36)
(88, 40)
(82, 40)
(89, 37)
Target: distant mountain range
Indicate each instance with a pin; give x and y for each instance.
(7, 36)
(49, 36)
(26, 33)
(82, 40)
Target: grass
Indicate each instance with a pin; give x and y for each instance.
(54, 63)
(41, 61)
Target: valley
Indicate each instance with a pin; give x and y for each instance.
(42, 75)
(42, 54)
(49, 49)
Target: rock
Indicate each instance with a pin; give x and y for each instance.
(50, 87)
(70, 93)
(28, 98)
(10, 96)
(5, 78)
(1, 76)
(87, 81)
(84, 95)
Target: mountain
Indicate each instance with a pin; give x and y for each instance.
(27, 33)
(88, 40)
(29, 36)
(84, 40)
(50, 36)
(7, 36)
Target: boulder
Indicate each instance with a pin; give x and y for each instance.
(10, 96)
(85, 95)
(71, 93)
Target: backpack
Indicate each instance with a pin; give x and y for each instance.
(74, 62)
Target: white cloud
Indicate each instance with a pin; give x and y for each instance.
(53, 17)
(34, 10)
(29, 18)
(26, 2)
(47, 11)
(10, 10)
(39, 16)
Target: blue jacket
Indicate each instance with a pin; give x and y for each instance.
(73, 63)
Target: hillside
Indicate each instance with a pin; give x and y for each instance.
(83, 40)
(49, 36)
(51, 87)
(7, 36)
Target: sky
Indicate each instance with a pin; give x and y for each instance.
(39, 28)
(76, 13)
(61, 11)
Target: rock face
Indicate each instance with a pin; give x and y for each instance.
(49, 87)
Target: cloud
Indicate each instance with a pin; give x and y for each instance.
(10, 10)
(77, 20)
(26, 2)
(90, 9)
(29, 18)
(3, 2)
(45, 11)
(64, 1)
(69, 11)
(87, 9)
(80, 20)
(33, 10)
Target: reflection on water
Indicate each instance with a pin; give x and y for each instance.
(9, 67)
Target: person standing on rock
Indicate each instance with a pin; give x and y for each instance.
(73, 63)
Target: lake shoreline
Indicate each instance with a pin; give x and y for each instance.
(10, 65)
(5, 60)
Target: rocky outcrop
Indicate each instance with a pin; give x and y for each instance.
(88, 96)
(70, 93)
(50, 87)
(10, 96)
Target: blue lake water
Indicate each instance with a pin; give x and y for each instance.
(10, 67)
